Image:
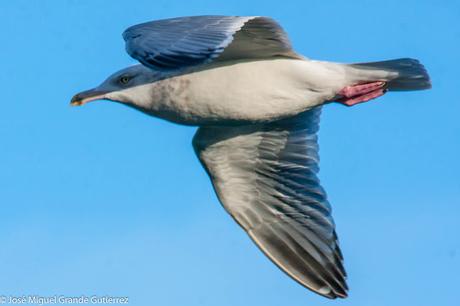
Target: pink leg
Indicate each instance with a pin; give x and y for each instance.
(360, 93)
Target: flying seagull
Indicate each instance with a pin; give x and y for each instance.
(257, 104)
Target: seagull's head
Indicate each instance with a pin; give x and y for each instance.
(120, 86)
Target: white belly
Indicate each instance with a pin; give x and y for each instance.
(246, 91)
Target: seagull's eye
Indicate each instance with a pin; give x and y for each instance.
(124, 80)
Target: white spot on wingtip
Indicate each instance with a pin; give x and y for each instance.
(324, 290)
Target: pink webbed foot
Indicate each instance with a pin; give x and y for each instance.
(360, 93)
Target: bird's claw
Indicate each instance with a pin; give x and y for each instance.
(355, 94)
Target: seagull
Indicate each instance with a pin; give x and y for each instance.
(257, 104)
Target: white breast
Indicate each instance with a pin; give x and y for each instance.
(245, 91)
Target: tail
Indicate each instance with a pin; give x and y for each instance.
(408, 73)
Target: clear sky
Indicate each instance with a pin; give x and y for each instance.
(105, 200)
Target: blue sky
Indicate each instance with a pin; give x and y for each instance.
(105, 200)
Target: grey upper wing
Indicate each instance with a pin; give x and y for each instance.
(190, 41)
(265, 177)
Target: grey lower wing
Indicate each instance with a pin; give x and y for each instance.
(191, 41)
(265, 177)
